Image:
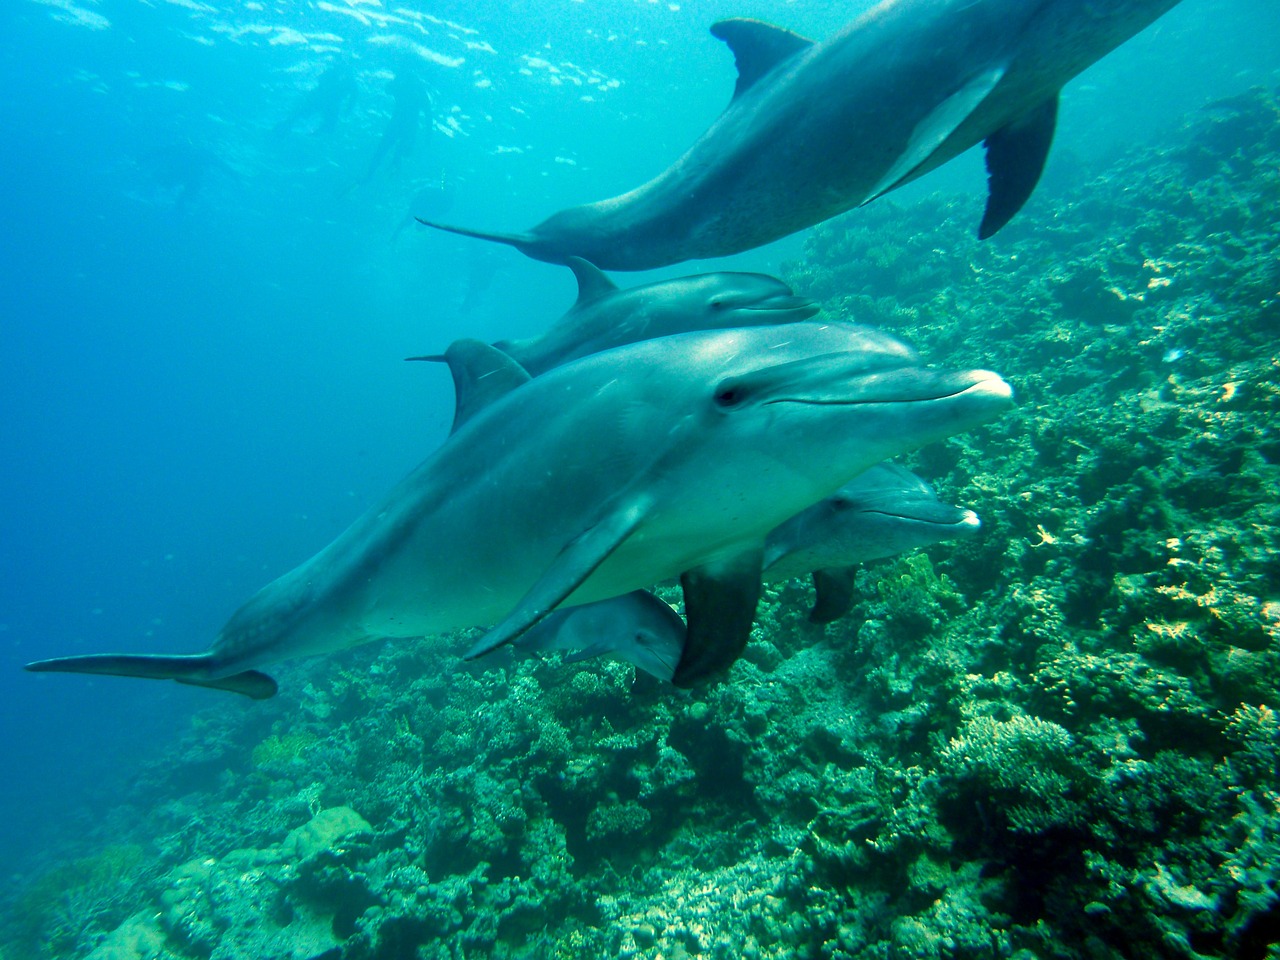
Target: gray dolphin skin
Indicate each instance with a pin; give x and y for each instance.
(636, 627)
(815, 129)
(670, 457)
(880, 513)
(605, 316)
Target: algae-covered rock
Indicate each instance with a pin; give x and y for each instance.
(138, 938)
(327, 831)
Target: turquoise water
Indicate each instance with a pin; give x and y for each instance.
(205, 297)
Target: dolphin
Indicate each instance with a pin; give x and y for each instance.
(880, 513)
(669, 457)
(605, 316)
(636, 627)
(815, 129)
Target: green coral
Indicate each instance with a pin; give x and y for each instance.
(613, 821)
(281, 750)
(1023, 772)
(63, 908)
(917, 598)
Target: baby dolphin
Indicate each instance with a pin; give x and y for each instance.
(815, 129)
(636, 627)
(880, 513)
(669, 457)
(605, 316)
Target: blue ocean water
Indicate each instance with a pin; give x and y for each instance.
(202, 313)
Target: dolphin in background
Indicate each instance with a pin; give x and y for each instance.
(882, 512)
(605, 316)
(815, 129)
(665, 458)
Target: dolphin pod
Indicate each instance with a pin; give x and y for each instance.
(663, 458)
(815, 129)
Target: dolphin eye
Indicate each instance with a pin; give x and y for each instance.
(717, 304)
(729, 395)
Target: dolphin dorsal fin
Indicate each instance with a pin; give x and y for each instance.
(757, 47)
(592, 282)
(481, 374)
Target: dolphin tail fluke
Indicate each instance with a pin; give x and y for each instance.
(521, 241)
(184, 669)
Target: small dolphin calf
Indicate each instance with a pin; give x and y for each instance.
(670, 457)
(880, 513)
(605, 316)
(636, 627)
(815, 129)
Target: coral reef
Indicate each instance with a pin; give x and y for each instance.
(1057, 740)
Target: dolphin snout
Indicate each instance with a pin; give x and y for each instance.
(988, 384)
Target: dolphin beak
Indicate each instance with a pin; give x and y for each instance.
(933, 514)
(827, 380)
(989, 384)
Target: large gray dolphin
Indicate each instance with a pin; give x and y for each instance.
(815, 129)
(606, 316)
(670, 457)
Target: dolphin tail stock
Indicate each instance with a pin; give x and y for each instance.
(184, 669)
(523, 242)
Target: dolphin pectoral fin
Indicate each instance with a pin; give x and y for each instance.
(575, 563)
(757, 47)
(481, 374)
(834, 586)
(588, 653)
(592, 282)
(1016, 154)
(720, 607)
(931, 132)
(184, 669)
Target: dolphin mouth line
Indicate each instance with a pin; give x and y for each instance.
(996, 388)
(784, 307)
(914, 519)
(860, 403)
